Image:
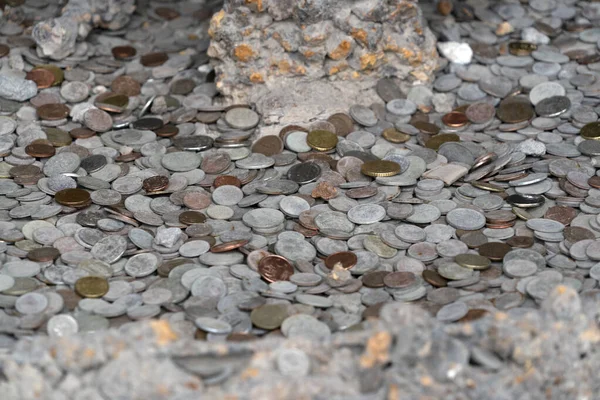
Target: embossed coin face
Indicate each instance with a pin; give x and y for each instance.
(40, 150)
(53, 111)
(91, 287)
(344, 259)
(321, 140)
(155, 183)
(380, 168)
(42, 78)
(275, 268)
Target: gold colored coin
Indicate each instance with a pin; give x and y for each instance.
(472, 261)
(519, 212)
(591, 131)
(58, 73)
(394, 136)
(58, 137)
(521, 48)
(487, 186)
(91, 286)
(435, 142)
(72, 197)
(380, 168)
(322, 140)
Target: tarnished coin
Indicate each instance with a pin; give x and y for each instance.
(91, 286)
(275, 268)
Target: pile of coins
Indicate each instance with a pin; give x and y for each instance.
(129, 193)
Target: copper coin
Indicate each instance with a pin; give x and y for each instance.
(308, 233)
(474, 314)
(21, 171)
(111, 102)
(166, 13)
(268, 145)
(225, 180)
(346, 259)
(155, 183)
(4, 50)
(426, 127)
(82, 133)
(192, 217)
(125, 85)
(53, 111)
(290, 128)
(72, 197)
(128, 157)
(40, 150)
(167, 131)
(594, 182)
(228, 246)
(495, 251)
(43, 254)
(374, 279)
(499, 216)
(455, 119)
(42, 78)
(562, 214)
(362, 193)
(373, 311)
(343, 124)
(154, 59)
(123, 52)
(196, 200)
(275, 268)
(215, 163)
(399, 279)
(521, 242)
(435, 279)
(574, 234)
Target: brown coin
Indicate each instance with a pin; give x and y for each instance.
(308, 233)
(123, 52)
(225, 180)
(21, 171)
(166, 267)
(196, 200)
(228, 246)
(513, 110)
(154, 59)
(374, 279)
(562, 214)
(155, 183)
(345, 259)
(111, 102)
(126, 85)
(435, 279)
(168, 130)
(42, 78)
(474, 314)
(215, 163)
(342, 122)
(53, 111)
(373, 311)
(594, 182)
(399, 279)
(290, 128)
(473, 239)
(275, 268)
(521, 242)
(268, 145)
(427, 127)
(499, 216)
(58, 73)
(40, 150)
(128, 157)
(455, 119)
(70, 298)
(4, 50)
(82, 133)
(73, 197)
(574, 234)
(166, 13)
(43, 254)
(325, 191)
(241, 337)
(192, 217)
(362, 193)
(495, 251)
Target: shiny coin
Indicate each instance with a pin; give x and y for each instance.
(91, 287)
(380, 168)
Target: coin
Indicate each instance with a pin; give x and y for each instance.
(42, 78)
(275, 268)
(73, 197)
(155, 183)
(91, 287)
(472, 261)
(380, 168)
(321, 140)
(394, 136)
(344, 259)
(268, 145)
(455, 119)
(154, 59)
(228, 246)
(123, 52)
(53, 111)
(591, 131)
(521, 48)
(40, 150)
(43, 254)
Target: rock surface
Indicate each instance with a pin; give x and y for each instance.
(403, 354)
(291, 54)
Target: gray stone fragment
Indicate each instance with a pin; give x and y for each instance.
(15, 88)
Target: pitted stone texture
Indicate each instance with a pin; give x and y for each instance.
(325, 40)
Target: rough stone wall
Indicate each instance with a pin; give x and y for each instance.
(266, 42)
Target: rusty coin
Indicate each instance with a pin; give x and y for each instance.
(562, 214)
(224, 180)
(275, 268)
(399, 279)
(40, 150)
(125, 85)
(268, 145)
(574, 234)
(345, 259)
